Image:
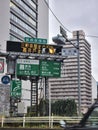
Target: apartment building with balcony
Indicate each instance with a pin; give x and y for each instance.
(67, 85)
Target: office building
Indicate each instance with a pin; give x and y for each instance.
(22, 18)
(67, 86)
(19, 19)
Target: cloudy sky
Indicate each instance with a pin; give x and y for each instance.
(77, 15)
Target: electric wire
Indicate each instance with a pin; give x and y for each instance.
(92, 36)
(56, 17)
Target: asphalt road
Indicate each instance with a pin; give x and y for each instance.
(29, 129)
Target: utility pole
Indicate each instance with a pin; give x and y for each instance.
(79, 84)
(63, 32)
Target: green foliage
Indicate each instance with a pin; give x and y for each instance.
(30, 112)
(43, 107)
(64, 107)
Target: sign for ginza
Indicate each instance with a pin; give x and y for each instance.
(27, 67)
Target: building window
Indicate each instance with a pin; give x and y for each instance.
(24, 25)
(27, 7)
(13, 38)
(20, 32)
(23, 14)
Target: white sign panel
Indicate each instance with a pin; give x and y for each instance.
(27, 61)
(21, 107)
(69, 52)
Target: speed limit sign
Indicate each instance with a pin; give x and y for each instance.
(1, 65)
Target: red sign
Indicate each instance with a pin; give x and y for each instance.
(1, 65)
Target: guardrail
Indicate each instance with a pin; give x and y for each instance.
(49, 122)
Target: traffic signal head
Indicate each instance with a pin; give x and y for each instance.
(52, 49)
(48, 50)
(59, 39)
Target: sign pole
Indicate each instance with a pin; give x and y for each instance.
(49, 106)
(79, 84)
(15, 68)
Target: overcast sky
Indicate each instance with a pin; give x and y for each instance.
(78, 15)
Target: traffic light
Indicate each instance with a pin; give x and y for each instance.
(58, 50)
(59, 39)
(48, 50)
(52, 49)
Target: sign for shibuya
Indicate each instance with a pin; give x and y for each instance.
(27, 67)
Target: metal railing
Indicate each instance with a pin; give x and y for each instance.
(38, 121)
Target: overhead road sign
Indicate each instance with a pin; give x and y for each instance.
(27, 67)
(15, 88)
(69, 52)
(35, 40)
(46, 68)
(25, 55)
(33, 48)
(50, 68)
(63, 32)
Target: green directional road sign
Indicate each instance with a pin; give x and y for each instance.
(35, 40)
(50, 68)
(27, 67)
(15, 88)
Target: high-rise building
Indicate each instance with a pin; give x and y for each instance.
(67, 86)
(22, 18)
(19, 19)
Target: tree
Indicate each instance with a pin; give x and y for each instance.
(43, 107)
(71, 107)
(64, 107)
